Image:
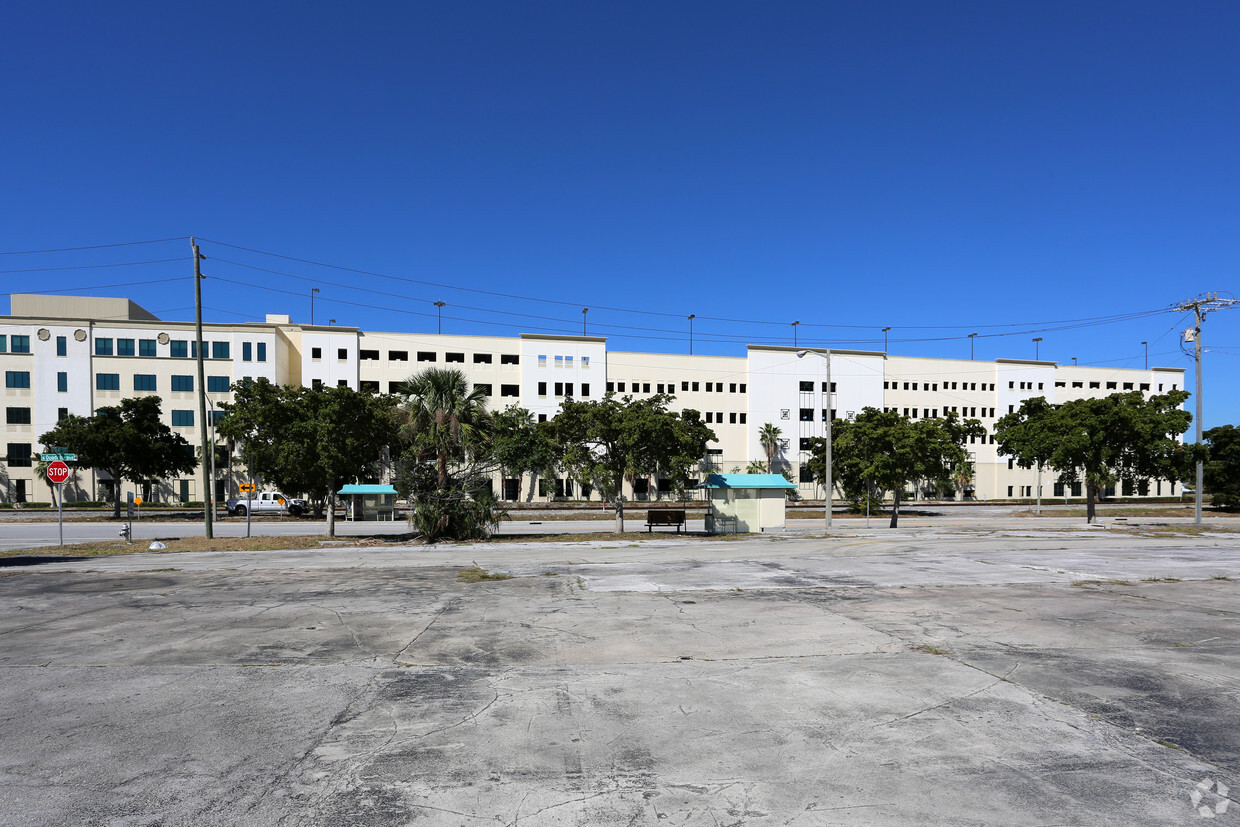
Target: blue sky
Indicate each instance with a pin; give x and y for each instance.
(939, 168)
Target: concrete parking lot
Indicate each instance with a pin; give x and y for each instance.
(924, 676)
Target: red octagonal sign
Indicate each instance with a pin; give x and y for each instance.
(57, 472)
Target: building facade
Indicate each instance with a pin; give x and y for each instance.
(72, 355)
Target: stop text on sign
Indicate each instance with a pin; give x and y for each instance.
(57, 472)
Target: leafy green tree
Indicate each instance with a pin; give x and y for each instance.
(127, 442)
(309, 440)
(448, 423)
(884, 451)
(612, 437)
(520, 445)
(1222, 471)
(445, 416)
(769, 437)
(1124, 436)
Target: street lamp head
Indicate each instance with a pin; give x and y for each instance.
(801, 354)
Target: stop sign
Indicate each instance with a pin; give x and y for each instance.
(57, 472)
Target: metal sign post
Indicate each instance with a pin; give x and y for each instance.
(58, 474)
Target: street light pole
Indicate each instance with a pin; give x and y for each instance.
(1037, 348)
(692, 316)
(1147, 354)
(439, 308)
(827, 465)
(885, 330)
(794, 333)
(313, 290)
(972, 336)
(584, 311)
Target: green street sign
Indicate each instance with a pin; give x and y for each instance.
(58, 457)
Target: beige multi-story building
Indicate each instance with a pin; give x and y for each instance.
(72, 355)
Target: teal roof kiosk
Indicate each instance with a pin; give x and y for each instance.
(745, 503)
(369, 502)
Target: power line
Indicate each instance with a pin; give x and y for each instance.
(93, 246)
(94, 266)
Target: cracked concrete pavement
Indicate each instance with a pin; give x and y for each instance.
(963, 678)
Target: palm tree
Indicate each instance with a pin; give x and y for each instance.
(756, 467)
(769, 435)
(445, 415)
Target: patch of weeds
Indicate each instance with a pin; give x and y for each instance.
(1161, 580)
(236, 569)
(1167, 744)
(477, 575)
(147, 571)
(1220, 577)
(553, 573)
(930, 650)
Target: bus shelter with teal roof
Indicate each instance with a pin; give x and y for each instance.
(745, 503)
(369, 502)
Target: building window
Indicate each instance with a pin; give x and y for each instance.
(316, 353)
(217, 384)
(542, 360)
(426, 356)
(559, 388)
(486, 389)
(585, 361)
(732, 418)
(395, 387)
(1110, 386)
(183, 383)
(262, 351)
(107, 381)
(684, 386)
(19, 455)
(509, 390)
(454, 357)
(620, 387)
(62, 346)
(62, 414)
(219, 350)
(1127, 386)
(1095, 385)
(542, 388)
(807, 414)
(62, 382)
(807, 386)
(124, 347)
(742, 419)
(509, 359)
(342, 353)
(144, 382)
(482, 358)
(342, 383)
(585, 389)
(710, 417)
(17, 416)
(559, 361)
(542, 418)
(824, 387)
(103, 347)
(368, 355)
(247, 352)
(367, 386)
(178, 349)
(398, 356)
(645, 387)
(181, 419)
(146, 347)
(742, 387)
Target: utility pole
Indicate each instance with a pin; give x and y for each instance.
(208, 495)
(439, 307)
(1203, 304)
(692, 316)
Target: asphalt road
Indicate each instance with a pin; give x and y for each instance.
(932, 675)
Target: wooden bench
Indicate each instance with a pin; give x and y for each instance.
(665, 517)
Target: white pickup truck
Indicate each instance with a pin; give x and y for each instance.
(266, 502)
